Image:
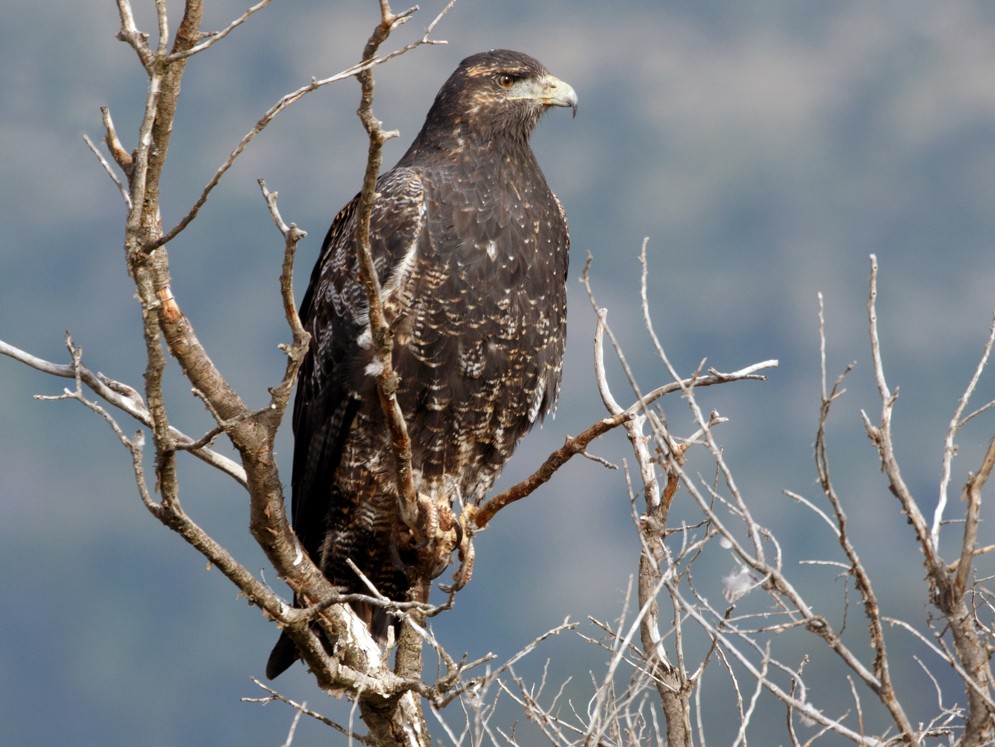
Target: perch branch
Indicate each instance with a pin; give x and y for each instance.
(576, 444)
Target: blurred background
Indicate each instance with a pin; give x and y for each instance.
(765, 148)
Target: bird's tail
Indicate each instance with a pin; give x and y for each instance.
(284, 654)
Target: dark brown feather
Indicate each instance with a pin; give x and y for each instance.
(471, 248)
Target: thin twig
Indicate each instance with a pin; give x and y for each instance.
(297, 350)
(727, 638)
(282, 104)
(124, 398)
(880, 436)
(872, 611)
(949, 449)
(574, 445)
(129, 33)
(121, 156)
(110, 172)
(215, 37)
(300, 708)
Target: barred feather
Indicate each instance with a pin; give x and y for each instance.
(471, 247)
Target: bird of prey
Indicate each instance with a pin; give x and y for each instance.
(470, 246)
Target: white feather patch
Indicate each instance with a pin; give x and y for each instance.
(537, 399)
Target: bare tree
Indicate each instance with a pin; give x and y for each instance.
(745, 645)
(651, 688)
(750, 640)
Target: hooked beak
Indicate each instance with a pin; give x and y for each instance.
(557, 93)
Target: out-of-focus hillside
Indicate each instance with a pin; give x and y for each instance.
(766, 149)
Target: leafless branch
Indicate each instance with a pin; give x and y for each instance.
(357, 666)
(216, 36)
(129, 33)
(972, 497)
(880, 435)
(884, 687)
(729, 640)
(970, 655)
(301, 708)
(124, 398)
(949, 450)
(382, 341)
(574, 445)
(296, 351)
(121, 156)
(367, 64)
(110, 172)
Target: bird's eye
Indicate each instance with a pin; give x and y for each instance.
(505, 81)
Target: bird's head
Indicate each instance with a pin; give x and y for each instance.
(499, 94)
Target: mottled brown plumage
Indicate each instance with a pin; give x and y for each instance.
(471, 247)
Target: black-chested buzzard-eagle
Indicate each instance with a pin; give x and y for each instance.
(470, 246)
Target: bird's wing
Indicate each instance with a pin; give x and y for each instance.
(333, 378)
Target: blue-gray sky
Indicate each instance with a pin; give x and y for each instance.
(765, 148)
